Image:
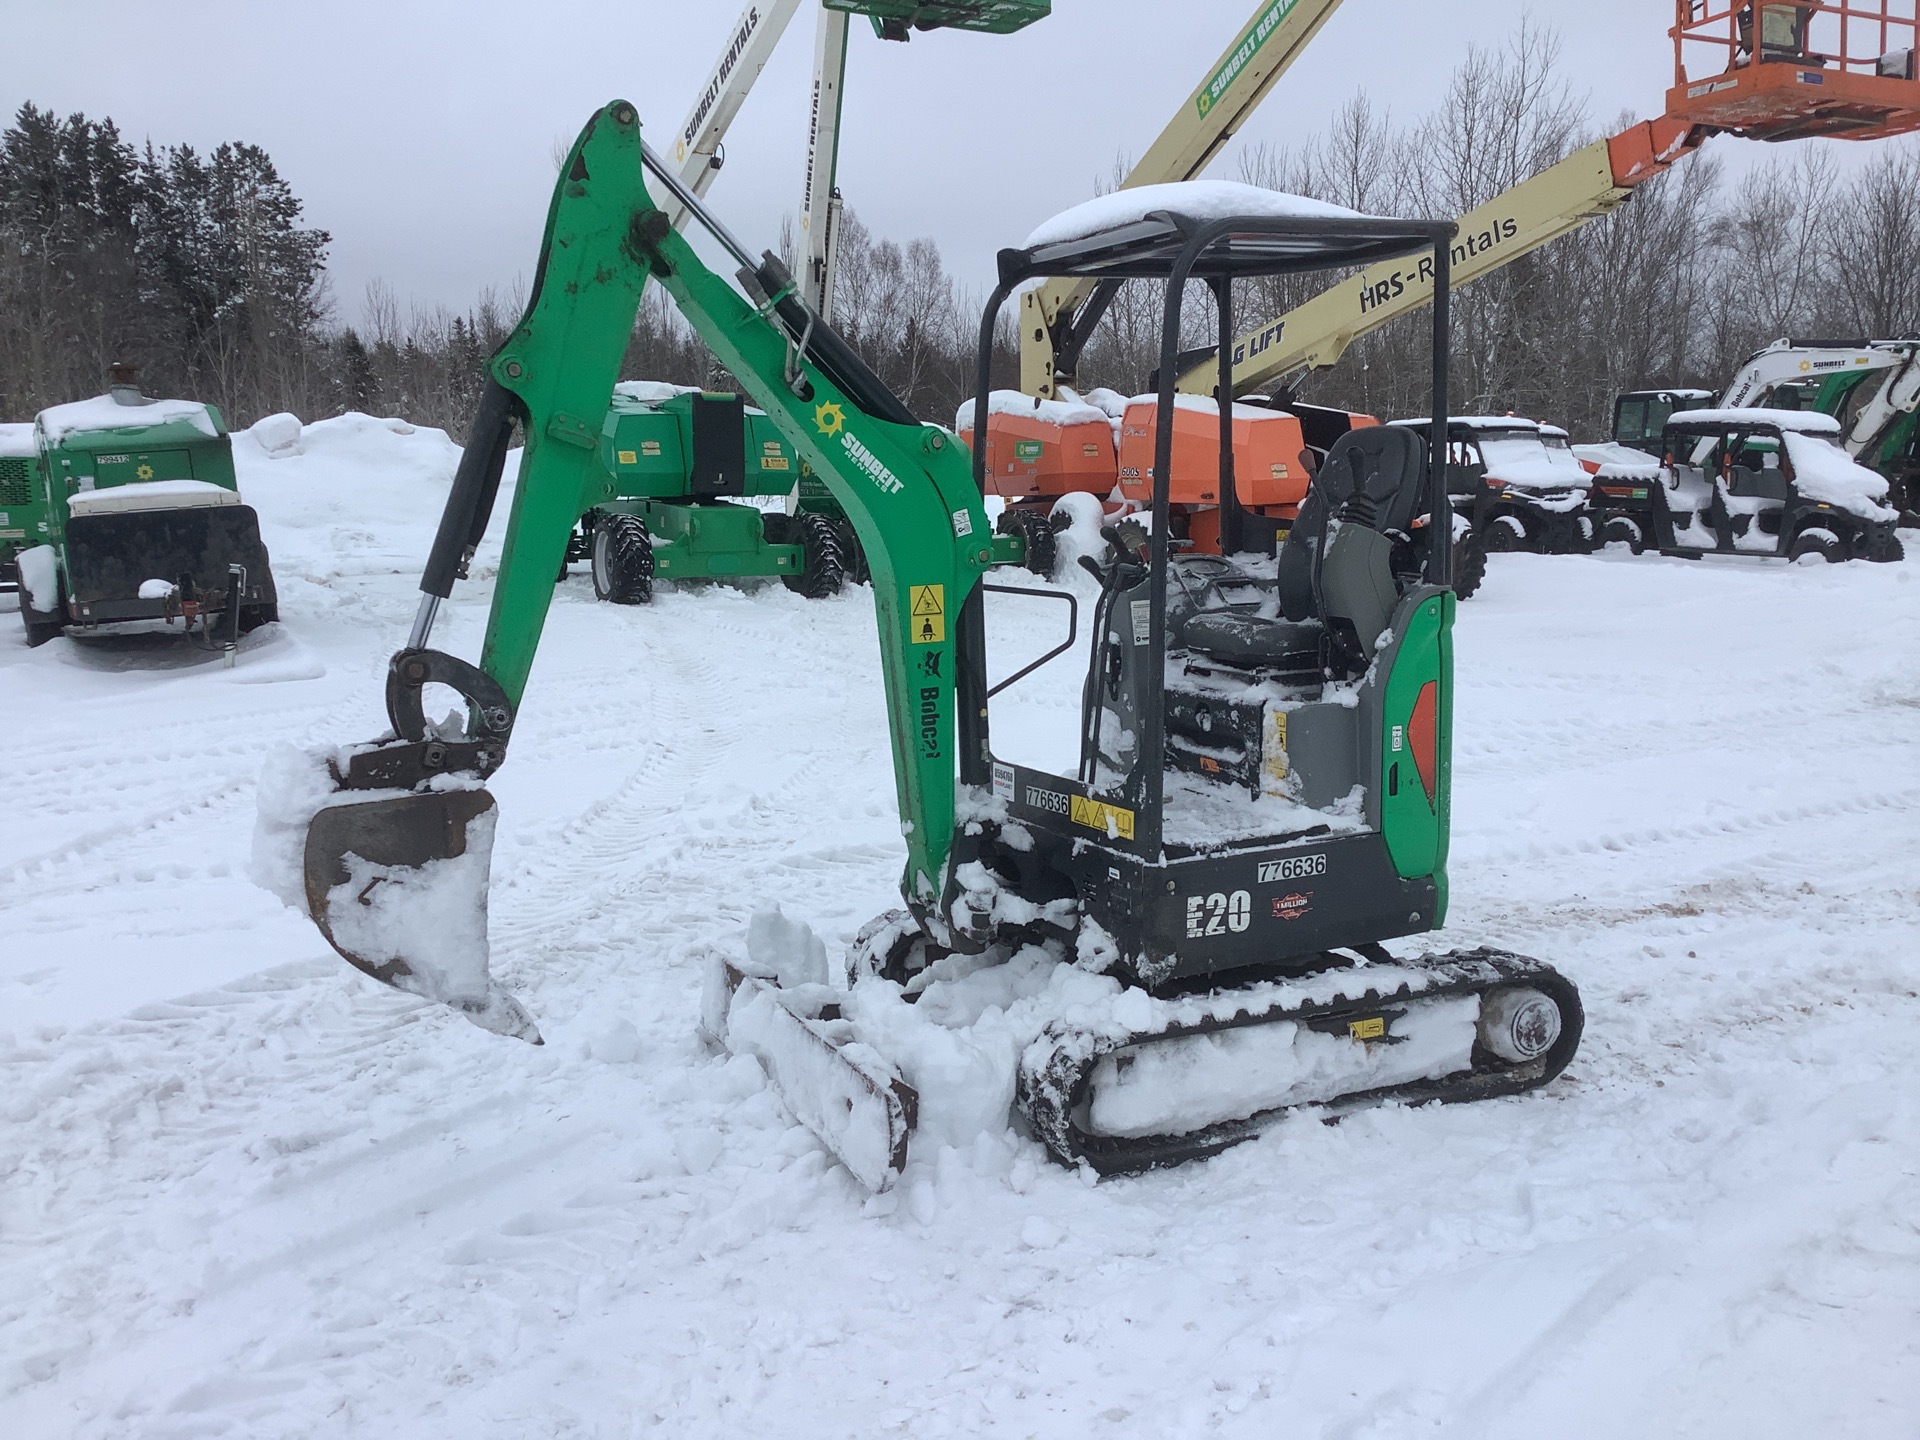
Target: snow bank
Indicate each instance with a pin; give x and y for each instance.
(103, 412)
(1196, 199)
(16, 440)
(1823, 471)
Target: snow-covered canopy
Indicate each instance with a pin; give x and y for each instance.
(1197, 199)
(103, 412)
(1823, 471)
(16, 439)
(1807, 422)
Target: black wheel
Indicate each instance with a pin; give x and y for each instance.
(1469, 563)
(41, 625)
(1506, 534)
(1816, 541)
(1036, 528)
(1886, 549)
(252, 617)
(829, 555)
(1624, 530)
(622, 560)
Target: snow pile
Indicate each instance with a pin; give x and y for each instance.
(16, 440)
(652, 392)
(788, 949)
(1206, 405)
(1070, 411)
(1619, 462)
(278, 436)
(1084, 515)
(1195, 199)
(294, 784)
(1181, 1085)
(157, 589)
(1111, 403)
(39, 567)
(1823, 471)
(103, 412)
(1525, 462)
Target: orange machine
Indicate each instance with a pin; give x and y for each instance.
(1271, 462)
(1788, 69)
(1048, 450)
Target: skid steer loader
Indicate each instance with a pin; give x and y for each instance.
(1262, 793)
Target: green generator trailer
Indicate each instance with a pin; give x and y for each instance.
(23, 504)
(140, 519)
(670, 495)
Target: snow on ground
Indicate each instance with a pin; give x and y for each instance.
(245, 1192)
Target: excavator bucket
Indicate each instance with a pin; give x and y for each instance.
(397, 882)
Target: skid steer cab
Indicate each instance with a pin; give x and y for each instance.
(139, 520)
(1767, 483)
(689, 485)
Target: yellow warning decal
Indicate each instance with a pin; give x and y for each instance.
(1374, 1027)
(929, 614)
(774, 462)
(627, 457)
(1109, 820)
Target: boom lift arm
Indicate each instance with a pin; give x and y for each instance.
(1057, 317)
(1593, 181)
(1840, 68)
(908, 489)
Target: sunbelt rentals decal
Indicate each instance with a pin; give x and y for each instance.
(831, 421)
(1243, 54)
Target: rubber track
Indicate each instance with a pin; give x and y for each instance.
(1057, 1069)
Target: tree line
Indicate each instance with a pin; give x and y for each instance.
(203, 272)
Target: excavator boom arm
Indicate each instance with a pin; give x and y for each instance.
(907, 488)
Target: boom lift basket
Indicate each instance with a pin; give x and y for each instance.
(893, 18)
(1790, 69)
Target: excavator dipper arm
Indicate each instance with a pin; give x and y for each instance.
(408, 832)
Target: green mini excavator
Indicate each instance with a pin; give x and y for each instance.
(1262, 792)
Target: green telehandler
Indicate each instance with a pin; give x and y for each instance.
(1262, 793)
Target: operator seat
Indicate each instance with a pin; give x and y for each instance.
(1336, 583)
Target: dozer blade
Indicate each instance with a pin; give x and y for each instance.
(397, 882)
(844, 1092)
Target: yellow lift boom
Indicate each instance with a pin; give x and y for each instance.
(1259, 55)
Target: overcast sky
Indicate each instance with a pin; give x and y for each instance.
(421, 133)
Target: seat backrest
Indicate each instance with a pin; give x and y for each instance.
(1384, 466)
